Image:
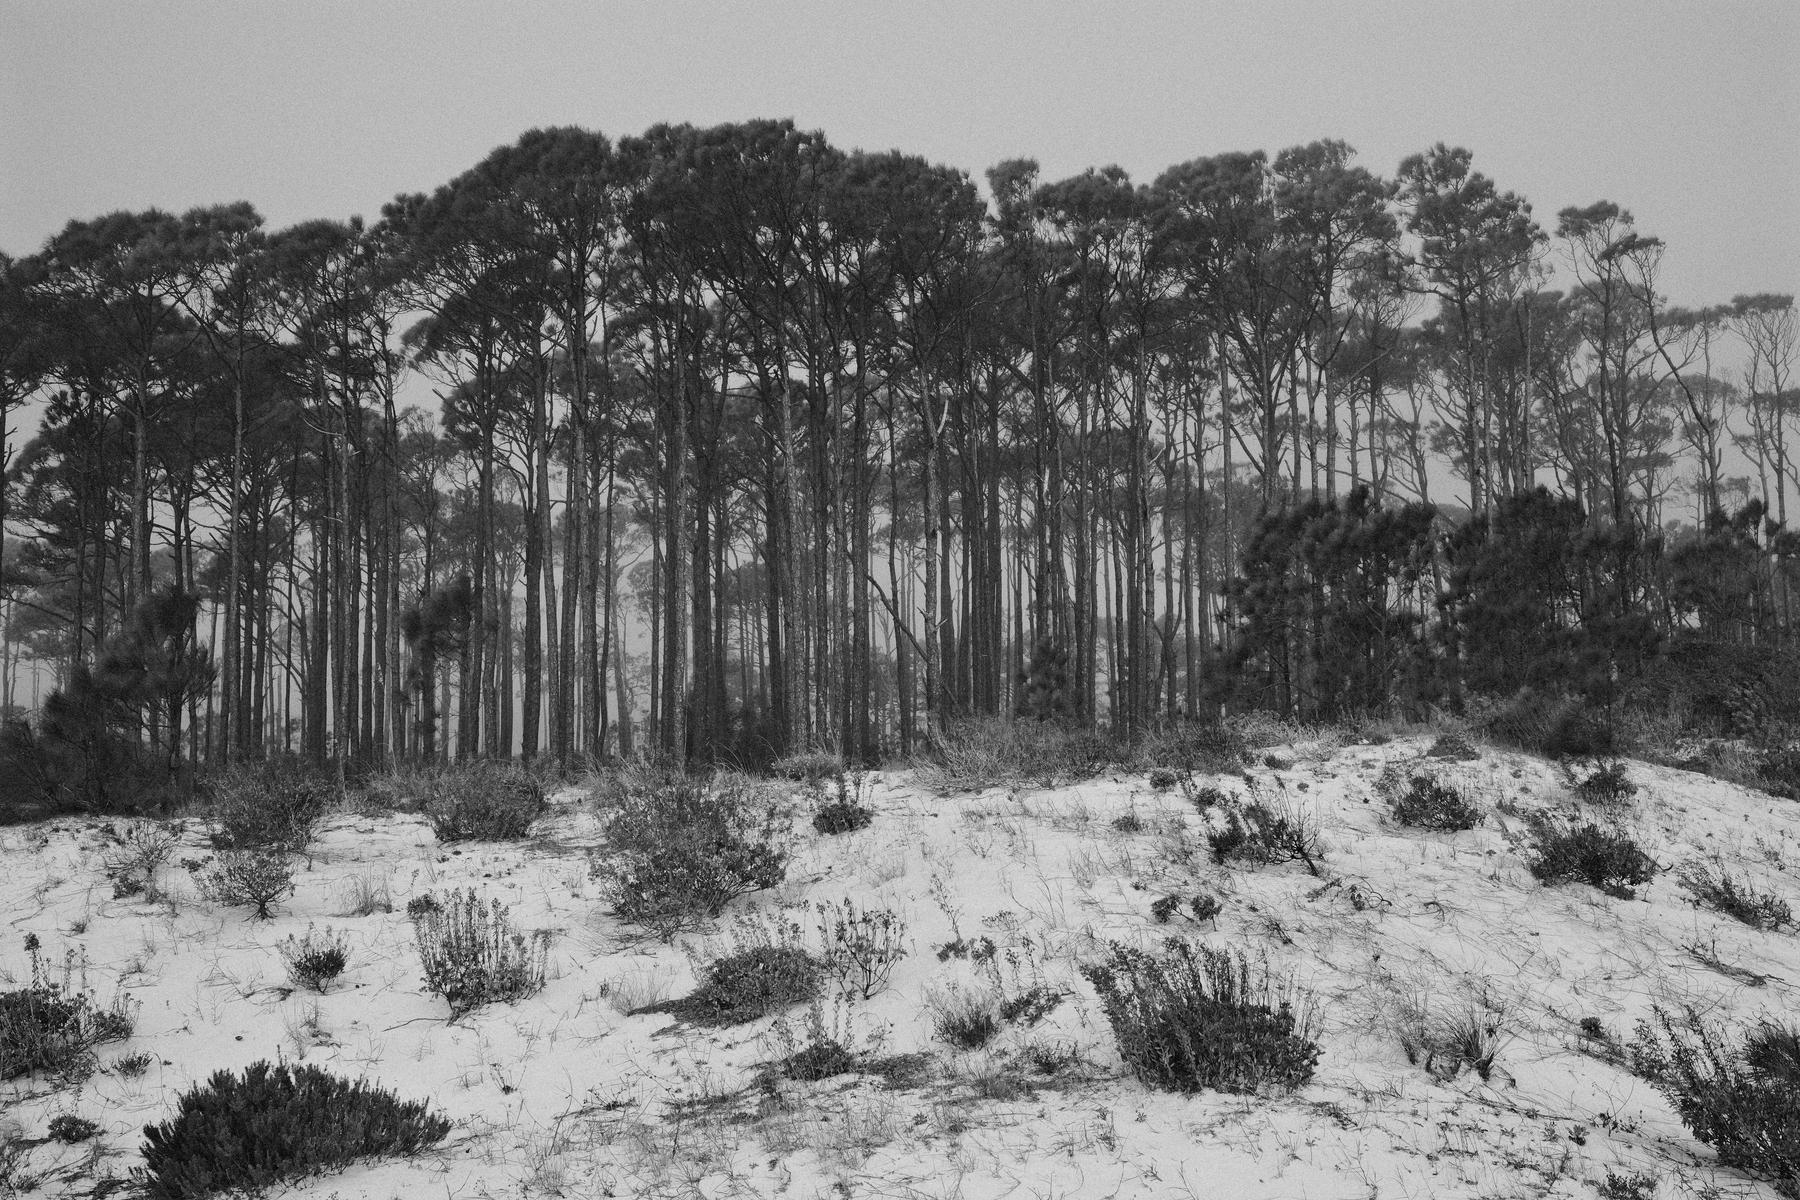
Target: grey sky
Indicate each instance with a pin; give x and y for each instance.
(1688, 114)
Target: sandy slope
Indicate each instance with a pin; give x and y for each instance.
(562, 1094)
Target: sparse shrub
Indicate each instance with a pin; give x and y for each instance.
(1030, 1006)
(1628, 1187)
(143, 848)
(1208, 797)
(977, 950)
(1592, 1029)
(1429, 803)
(267, 807)
(483, 802)
(274, 1123)
(472, 953)
(53, 1025)
(817, 1048)
(1263, 833)
(1203, 907)
(1737, 899)
(1195, 1018)
(750, 984)
(1744, 1103)
(70, 1129)
(1129, 823)
(1163, 778)
(967, 1020)
(860, 946)
(1604, 858)
(680, 849)
(315, 960)
(246, 878)
(837, 818)
(1453, 747)
(1606, 784)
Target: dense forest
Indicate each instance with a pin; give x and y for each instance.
(720, 443)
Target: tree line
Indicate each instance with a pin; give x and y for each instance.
(744, 443)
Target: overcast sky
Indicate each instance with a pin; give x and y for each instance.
(1687, 114)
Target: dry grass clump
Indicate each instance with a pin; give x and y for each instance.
(978, 753)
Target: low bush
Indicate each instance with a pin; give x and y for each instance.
(472, 953)
(860, 946)
(315, 960)
(70, 1129)
(1718, 890)
(141, 849)
(275, 1123)
(1627, 1187)
(53, 1024)
(1195, 1018)
(819, 1046)
(1264, 833)
(1161, 779)
(680, 848)
(1588, 853)
(265, 807)
(483, 802)
(1606, 784)
(253, 879)
(1744, 1102)
(1429, 803)
(750, 984)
